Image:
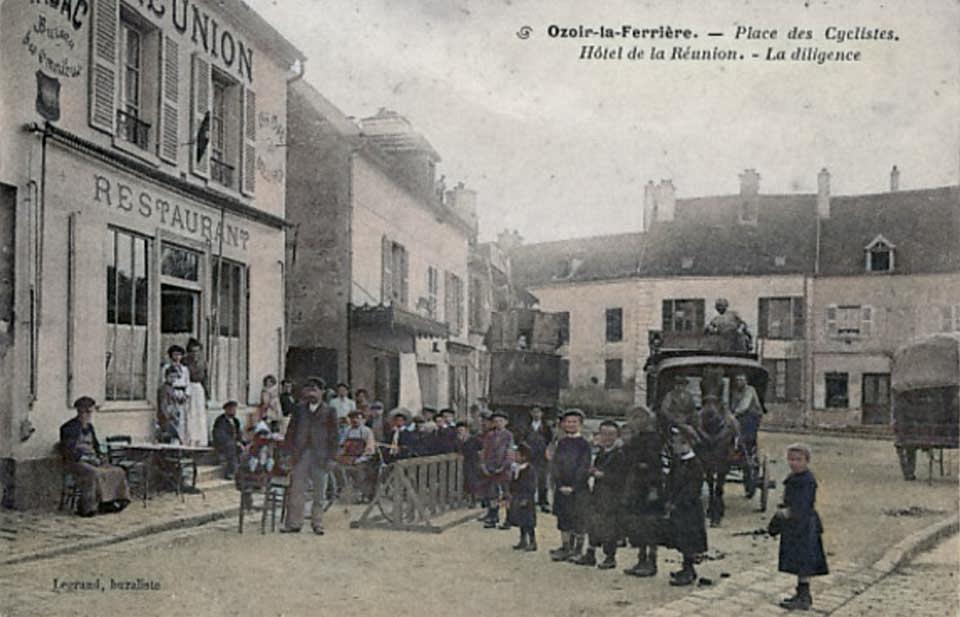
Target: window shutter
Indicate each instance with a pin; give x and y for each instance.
(799, 321)
(448, 310)
(248, 167)
(866, 321)
(104, 32)
(832, 320)
(404, 282)
(700, 317)
(956, 317)
(668, 316)
(763, 312)
(794, 385)
(386, 281)
(200, 116)
(169, 134)
(948, 316)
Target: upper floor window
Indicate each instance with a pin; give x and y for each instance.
(453, 302)
(563, 319)
(393, 287)
(849, 321)
(683, 316)
(781, 318)
(879, 255)
(428, 304)
(224, 129)
(135, 111)
(950, 318)
(614, 325)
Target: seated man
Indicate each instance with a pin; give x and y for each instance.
(746, 408)
(356, 450)
(102, 486)
(677, 409)
(729, 328)
(228, 438)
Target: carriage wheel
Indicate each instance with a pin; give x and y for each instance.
(764, 484)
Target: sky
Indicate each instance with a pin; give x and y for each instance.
(558, 147)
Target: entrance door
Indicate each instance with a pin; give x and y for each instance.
(179, 316)
(876, 398)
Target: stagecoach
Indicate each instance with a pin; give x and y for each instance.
(925, 380)
(711, 371)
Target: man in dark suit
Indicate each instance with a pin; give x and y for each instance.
(402, 441)
(538, 438)
(227, 438)
(312, 442)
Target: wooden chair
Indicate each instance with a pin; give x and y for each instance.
(69, 492)
(137, 471)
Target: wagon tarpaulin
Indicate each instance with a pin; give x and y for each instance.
(932, 362)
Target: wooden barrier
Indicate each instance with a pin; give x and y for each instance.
(412, 492)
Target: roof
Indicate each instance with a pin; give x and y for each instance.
(922, 225)
(705, 239)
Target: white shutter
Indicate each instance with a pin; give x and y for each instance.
(169, 133)
(866, 321)
(832, 320)
(248, 142)
(104, 35)
(202, 90)
(386, 271)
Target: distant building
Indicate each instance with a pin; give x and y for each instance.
(377, 278)
(142, 185)
(761, 253)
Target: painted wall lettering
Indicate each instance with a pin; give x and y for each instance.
(73, 10)
(51, 45)
(118, 195)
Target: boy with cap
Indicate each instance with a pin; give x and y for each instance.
(608, 480)
(228, 439)
(400, 439)
(642, 513)
(570, 470)
(522, 512)
(495, 459)
(688, 528)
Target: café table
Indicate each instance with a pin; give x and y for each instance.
(176, 454)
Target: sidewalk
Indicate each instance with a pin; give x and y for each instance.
(757, 592)
(38, 534)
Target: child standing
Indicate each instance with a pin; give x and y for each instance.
(570, 470)
(523, 487)
(801, 547)
(643, 493)
(688, 525)
(608, 478)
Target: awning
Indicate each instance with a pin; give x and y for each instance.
(394, 318)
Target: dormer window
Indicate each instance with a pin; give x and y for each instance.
(780, 261)
(686, 263)
(879, 255)
(569, 268)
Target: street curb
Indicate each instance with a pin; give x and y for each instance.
(902, 552)
(180, 523)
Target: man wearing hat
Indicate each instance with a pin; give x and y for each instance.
(356, 449)
(678, 409)
(312, 442)
(101, 484)
(446, 431)
(227, 438)
(570, 472)
(401, 440)
(495, 459)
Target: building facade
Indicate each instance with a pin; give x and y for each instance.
(378, 280)
(794, 268)
(142, 170)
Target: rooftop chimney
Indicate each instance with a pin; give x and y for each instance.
(894, 179)
(666, 201)
(823, 194)
(749, 182)
(649, 204)
(509, 240)
(463, 201)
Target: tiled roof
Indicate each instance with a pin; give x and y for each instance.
(705, 239)
(923, 225)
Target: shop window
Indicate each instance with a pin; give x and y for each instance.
(229, 354)
(127, 258)
(614, 325)
(837, 390)
(781, 318)
(614, 374)
(180, 263)
(683, 316)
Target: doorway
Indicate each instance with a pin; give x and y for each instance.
(876, 398)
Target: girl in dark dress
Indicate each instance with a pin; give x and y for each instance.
(688, 526)
(642, 514)
(801, 547)
(522, 512)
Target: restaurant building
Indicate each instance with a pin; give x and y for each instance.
(142, 187)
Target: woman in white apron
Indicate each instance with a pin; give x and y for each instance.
(195, 361)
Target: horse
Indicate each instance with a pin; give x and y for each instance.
(718, 435)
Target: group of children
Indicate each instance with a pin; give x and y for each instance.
(642, 483)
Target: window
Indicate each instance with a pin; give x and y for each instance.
(224, 129)
(478, 304)
(563, 324)
(564, 373)
(614, 374)
(784, 383)
(683, 316)
(393, 280)
(686, 263)
(879, 255)
(132, 124)
(229, 355)
(837, 390)
(950, 318)
(614, 325)
(781, 318)
(180, 263)
(846, 321)
(127, 258)
(429, 303)
(453, 303)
